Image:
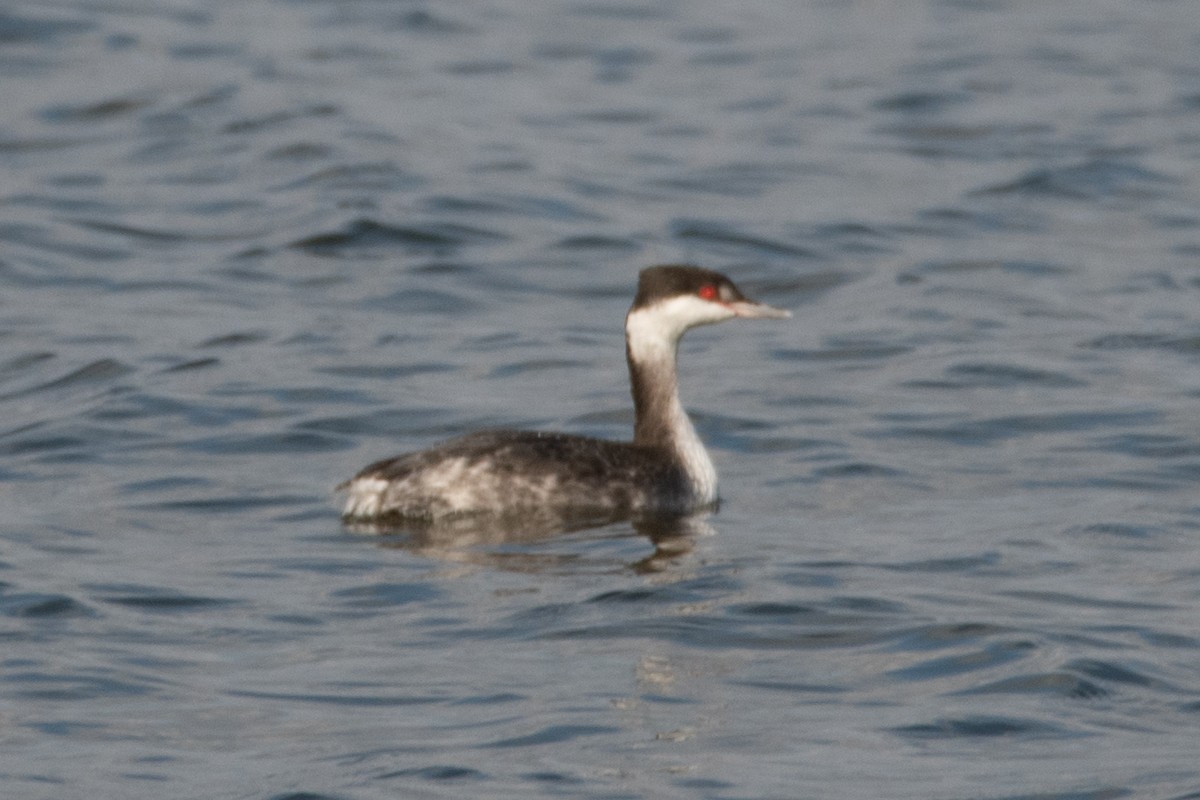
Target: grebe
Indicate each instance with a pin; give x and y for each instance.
(665, 469)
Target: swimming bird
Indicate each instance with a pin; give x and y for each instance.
(664, 469)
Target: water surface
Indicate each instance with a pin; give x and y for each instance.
(246, 248)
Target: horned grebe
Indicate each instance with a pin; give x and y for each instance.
(664, 469)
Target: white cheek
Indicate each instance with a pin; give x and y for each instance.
(689, 310)
(665, 322)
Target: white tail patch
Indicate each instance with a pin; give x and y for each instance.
(364, 497)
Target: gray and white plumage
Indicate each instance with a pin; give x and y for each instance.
(664, 469)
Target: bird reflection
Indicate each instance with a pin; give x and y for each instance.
(487, 540)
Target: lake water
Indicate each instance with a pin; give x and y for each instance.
(248, 247)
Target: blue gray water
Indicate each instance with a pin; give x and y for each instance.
(247, 247)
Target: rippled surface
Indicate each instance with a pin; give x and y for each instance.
(245, 248)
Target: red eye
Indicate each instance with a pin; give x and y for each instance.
(708, 292)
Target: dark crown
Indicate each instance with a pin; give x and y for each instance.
(672, 280)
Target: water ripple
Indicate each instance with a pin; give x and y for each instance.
(352, 699)
(41, 605)
(367, 234)
(551, 735)
(1172, 343)
(97, 372)
(435, 772)
(1061, 684)
(84, 685)
(997, 376)
(1091, 180)
(723, 239)
(985, 727)
(15, 29)
(985, 432)
(158, 600)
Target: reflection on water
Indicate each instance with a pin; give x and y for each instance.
(486, 540)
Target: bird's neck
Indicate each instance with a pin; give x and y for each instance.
(660, 419)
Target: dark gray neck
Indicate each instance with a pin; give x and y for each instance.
(654, 381)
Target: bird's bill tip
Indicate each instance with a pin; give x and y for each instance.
(751, 310)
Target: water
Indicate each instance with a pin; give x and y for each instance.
(248, 247)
